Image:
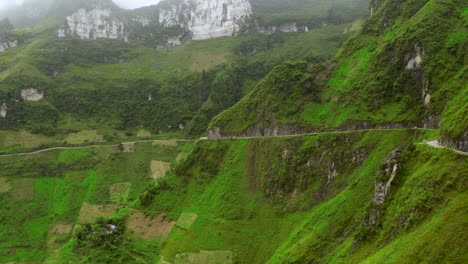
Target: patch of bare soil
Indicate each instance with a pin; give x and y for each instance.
(149, 227)
(159, 169)
(61, 229)
(128, 147)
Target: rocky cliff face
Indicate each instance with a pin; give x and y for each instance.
(200, 19)
(4, 45)
(206, 19)
(383, 184)
(93, 24)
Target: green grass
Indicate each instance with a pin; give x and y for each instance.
(367, 82)
(60, 182)
(266, 200)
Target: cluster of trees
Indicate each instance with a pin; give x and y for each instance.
(104, 233)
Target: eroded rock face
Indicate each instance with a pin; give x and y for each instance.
(3, 110)
(460, 143)
(32, 95)
(414, 60)
(8, 44)
(93, 24)
(383, 184)
(207, 19)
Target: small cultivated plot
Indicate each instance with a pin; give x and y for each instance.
(22, 190)
(58, 234)
(5, 185)
(159, 169)
(204, 257)
(119, 192)
(186, 220)
(90, 213)
(22, 139)
(143, 133)
(149, 227)
(128, 147)
(84, 137)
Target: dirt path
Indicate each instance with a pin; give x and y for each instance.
(436, 144)
(433, 143)
(82, 147)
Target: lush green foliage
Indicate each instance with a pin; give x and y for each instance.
(113, 85)
(44, 195)
(370, 84)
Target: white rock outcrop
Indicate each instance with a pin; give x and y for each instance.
(3, 110)
(207, 19)
(7, 44)
(32, 95)
(286, 27)
(93, 24)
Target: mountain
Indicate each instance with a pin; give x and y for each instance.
(114, 70)
(392, 74)
(343, 142)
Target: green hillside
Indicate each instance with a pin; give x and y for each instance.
(374, 80)
(125, 86)
(345, 142)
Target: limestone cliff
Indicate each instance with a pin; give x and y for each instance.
(199, 19)
(206, 19)
(93, 24)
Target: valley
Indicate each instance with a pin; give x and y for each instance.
(234, 131)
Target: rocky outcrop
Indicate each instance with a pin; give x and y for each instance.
(93, 24)
(3, 110)
(286, 27)
(206, 19)
(4, 45)
(32, 95)
(383, 184)
(258, 130)
(413, 61)
(459, 143)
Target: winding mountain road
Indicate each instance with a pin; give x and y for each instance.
(436, 144)
(83, 147)
(433, 143)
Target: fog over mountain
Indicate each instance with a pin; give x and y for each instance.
(131, 4)
(127, 4)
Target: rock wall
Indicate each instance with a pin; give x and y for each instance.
(32, 95)
(3, 110)
(206, 19)
(286, 27)
(7, 44)
(93, 24)
(383, 184)
(460, 143)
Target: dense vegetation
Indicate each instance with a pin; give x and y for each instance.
(125, 86)
(380, 196)
(372, 81)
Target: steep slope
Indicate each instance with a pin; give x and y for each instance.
(91, 79)
(404, 68)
